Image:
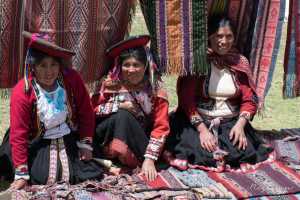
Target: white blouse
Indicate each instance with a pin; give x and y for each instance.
(52, 111)
(221, 84)
(221, 87)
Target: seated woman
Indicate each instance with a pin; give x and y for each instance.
(211, 128)
(51, 120)
(132, 108)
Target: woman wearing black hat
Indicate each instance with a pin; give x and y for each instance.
(132, 108)
(51, 120)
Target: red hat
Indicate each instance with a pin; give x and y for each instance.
(41, 43)
(36, 42)
(131, 42)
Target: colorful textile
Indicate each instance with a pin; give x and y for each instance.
(291, 131)
(200, 179)
(268, 180)
(10, 28)
(288, 152)
(179, 38)
(54, 191)
(291, 87)
(286, 145)
(86, 27)
(175, 184)
(265, 44)
(166, 186)
(288, 148)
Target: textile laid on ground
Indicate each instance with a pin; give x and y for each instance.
(179, 38)
(269, 179)
(258, 32)
(166, 186)
(86, 27)
(288, 148)
(286, 144)
(291, 87)
(200, 179)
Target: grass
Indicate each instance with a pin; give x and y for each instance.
(4, 112)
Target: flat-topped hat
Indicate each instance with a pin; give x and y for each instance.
(131, 42)
(40, 42)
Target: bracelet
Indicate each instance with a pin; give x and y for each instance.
(81, 145)
(245, 115)
(21, 172)
(195, 121)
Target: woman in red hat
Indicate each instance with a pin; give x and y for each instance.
(211, 126)
(132, 108)
(51, 120)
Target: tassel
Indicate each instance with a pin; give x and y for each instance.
(27, 69)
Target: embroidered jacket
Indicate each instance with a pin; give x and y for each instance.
(24, 122)
(193, 91)
(152, 104)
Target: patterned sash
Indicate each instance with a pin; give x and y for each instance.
(58, 151)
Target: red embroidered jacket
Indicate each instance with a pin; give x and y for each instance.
(23, 117)
(193, 89)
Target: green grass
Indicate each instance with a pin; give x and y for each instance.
(4, 115)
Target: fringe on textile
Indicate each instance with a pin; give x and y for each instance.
(179, 36)
(132, 12)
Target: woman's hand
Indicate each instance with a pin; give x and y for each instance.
(128, 105)
(207, 140)
(237, 134)
(85, 154)
(148, 169)
(18, 184)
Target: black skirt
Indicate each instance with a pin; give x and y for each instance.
(39, 161)
(184, 143)
(125, 128)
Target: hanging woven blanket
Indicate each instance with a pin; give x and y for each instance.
(178, 31)
(10, 32)
(86, 27)
(265, 44)
(291, 87)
